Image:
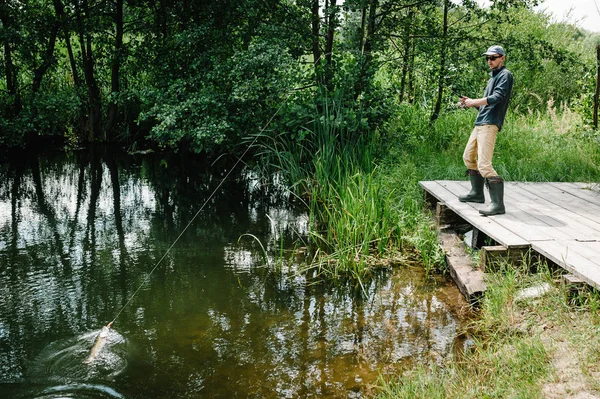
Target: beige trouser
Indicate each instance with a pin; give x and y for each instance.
(480, 150)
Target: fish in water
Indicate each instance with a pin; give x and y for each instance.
(98, 344)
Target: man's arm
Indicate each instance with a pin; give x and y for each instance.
(473, 102)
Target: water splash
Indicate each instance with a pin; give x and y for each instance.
(63, 360)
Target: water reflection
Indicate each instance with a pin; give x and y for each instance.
(81, 232)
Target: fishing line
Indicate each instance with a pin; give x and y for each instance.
(201, 208)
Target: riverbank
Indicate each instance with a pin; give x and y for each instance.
(542, 348)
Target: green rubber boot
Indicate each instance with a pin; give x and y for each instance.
(496, 186)
(476, 193)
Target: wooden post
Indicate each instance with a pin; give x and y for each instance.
(573, 287)
(492, 257)
(444, 215)
(430, 200)
(597, 94)
(478, 239)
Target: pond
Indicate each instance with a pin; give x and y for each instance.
(193, 265)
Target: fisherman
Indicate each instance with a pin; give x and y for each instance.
(480, 147)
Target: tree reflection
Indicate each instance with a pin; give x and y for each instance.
(84, 230)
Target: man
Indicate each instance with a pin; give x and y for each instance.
(480, 147)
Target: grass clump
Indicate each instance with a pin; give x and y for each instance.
(353, 220)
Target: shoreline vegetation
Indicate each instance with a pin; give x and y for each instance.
(542, 348)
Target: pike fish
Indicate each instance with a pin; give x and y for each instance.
(99, 343)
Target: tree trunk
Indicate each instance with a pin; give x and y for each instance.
(406, 55)
(113, 107)
(597, 94)
(40, 71)
(363, 23)
(367, 57)
(411, 70)
(94, 130)
(38, 75)
(316, 47)
(331, 11)
(12, 85)
(60, 13)
(438, 103)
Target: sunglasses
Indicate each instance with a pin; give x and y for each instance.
(492, 57)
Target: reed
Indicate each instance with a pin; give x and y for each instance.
(333, 168)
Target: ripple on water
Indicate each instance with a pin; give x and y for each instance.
(64, 360)
(78, 391)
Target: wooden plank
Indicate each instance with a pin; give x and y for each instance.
(536, 219)
(525, 219)
(583, 210)
(571, 260)
(588, 249)
(555, 220)
(587, 191)
(471, 214)
(574, 209)
(580, 192)
(517, 220)
(468, 279)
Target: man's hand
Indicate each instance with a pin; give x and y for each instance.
(470, 102)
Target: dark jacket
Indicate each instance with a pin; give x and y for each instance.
(497, 91)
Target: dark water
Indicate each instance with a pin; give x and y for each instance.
(83, 238)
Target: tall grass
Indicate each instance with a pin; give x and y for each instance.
(362, 189)
(333, 167)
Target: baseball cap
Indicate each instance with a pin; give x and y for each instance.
(494, 50)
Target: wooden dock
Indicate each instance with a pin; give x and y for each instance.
(560, 221)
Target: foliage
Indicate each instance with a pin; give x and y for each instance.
(183, 79)
(325, 97)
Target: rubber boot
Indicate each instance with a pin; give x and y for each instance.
(496, 186)
(476, 193)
